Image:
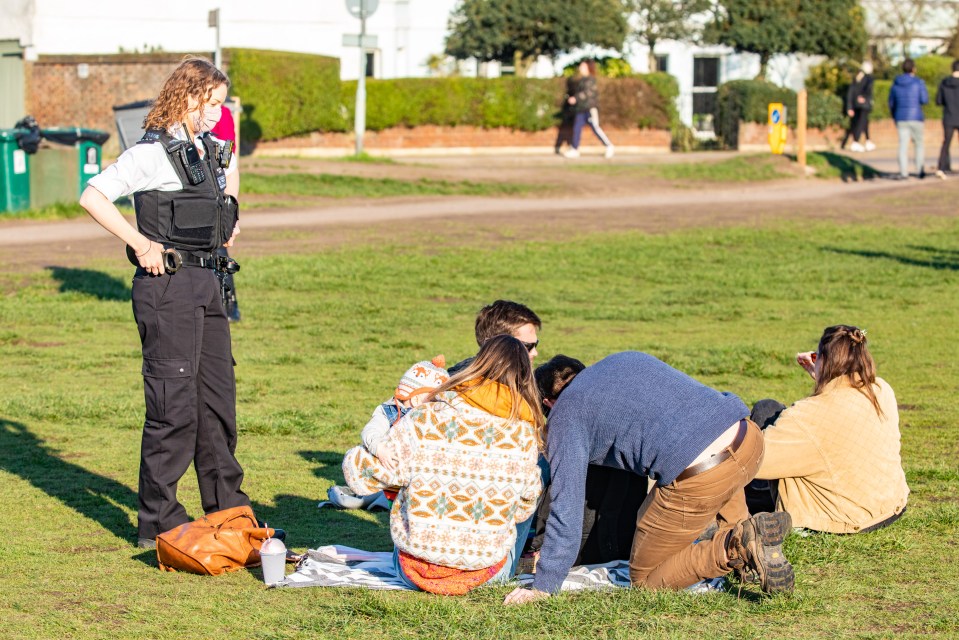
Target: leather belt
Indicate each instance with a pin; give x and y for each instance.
(717, 459)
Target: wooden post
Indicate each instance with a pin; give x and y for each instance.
(801, 128)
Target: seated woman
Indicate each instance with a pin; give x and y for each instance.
(835, 454)
(466, 472)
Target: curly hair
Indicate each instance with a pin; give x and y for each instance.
(195, 78)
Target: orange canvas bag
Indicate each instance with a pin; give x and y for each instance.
(217, 543)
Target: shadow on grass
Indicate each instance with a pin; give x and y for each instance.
(938, 259)
(331, 525)
(97, 497)
(329, 464)
(91, 283)
(846, 168)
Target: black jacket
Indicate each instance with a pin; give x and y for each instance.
(858, 88)
(948, 98)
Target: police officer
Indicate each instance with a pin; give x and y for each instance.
(184, 211)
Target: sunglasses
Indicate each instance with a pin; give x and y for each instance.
(530, 345)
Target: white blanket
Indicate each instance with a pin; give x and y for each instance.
(339, 566)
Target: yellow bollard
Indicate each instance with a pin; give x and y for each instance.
(777, 127)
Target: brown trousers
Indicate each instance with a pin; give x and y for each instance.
(673, 516)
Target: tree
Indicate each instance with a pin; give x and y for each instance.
(833, 28)
(656, 20)
(517, 31)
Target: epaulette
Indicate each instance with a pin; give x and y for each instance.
(158, 135)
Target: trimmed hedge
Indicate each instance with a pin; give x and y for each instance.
(748, 101)
(525, 104)
(285, 94)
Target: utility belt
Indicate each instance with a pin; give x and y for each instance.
(175, 259)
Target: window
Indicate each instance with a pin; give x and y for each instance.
(662, 63)
(370, 64)
(706, 72)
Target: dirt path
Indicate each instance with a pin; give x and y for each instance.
(25, 245)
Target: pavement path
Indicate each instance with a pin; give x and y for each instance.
(20, 233)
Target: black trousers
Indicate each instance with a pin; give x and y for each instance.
(190, 393)
(945, 162)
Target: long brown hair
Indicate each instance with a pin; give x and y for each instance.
(505, 360)
(195, 78)
(843, 352)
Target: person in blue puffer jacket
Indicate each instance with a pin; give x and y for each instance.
(906, 97)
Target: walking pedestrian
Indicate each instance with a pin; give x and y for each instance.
(858, 106)
(906, 97)
(947, 97)
(585, 104)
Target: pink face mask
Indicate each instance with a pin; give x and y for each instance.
(205, 118)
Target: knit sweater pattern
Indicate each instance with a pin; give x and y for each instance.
(465, 477)
(628, 411)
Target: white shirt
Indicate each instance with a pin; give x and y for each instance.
(144, 167)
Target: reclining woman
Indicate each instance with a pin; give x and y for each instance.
(833, 458)
(466, 473)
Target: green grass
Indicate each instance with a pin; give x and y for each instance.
(324, 338)
(57, 211)
(744, 168)
(334, 186)
(365, 158)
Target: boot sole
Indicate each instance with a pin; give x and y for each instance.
(772, 529)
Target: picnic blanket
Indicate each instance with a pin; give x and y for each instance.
(339, 566)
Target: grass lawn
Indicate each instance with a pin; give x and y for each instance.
(335, 186)
(740, 168)
(325, 337)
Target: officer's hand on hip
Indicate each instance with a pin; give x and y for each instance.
(151, 258)
(236, 232)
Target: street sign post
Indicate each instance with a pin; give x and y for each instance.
(361, 9)
(213, 21)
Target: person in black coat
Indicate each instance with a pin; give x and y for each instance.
(947, 97)
(858, 106)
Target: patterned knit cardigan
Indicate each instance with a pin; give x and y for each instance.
(465, 477)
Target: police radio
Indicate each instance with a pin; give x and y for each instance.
(190, 158)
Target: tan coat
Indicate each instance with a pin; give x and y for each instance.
(836, 460)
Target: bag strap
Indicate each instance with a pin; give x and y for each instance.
(246, 515)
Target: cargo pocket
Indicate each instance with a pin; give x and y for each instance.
(194, 222)
(168, 390)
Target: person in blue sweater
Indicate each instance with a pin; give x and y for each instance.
(634, 412)
(906, 97)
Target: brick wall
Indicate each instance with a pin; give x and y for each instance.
(57, 96)
(753, 136)
(425, 138)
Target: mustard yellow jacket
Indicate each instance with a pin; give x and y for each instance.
(837, 460)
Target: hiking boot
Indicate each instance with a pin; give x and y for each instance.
(146, 543)
(756, 545)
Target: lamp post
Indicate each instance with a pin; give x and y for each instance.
(361, 9)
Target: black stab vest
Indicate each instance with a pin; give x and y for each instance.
(197, 217)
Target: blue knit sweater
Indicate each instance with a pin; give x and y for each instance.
(628, 411)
